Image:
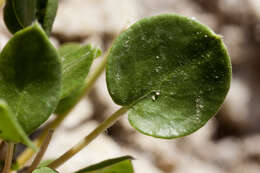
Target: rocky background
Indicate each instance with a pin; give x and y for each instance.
(229, 143)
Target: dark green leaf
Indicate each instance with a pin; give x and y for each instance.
(10, 129)
(25, 11)
(10, 19)
(46, 13)
(117, 165)
(44, 170)
(172, 71)
(30, 76)
(75, 67)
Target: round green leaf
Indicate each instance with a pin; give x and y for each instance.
(30, 76)
(172, 71)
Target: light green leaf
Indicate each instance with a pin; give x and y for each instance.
(80, 59)
(30, 76)
(70, 101)
(117, 165)
(10, 129)
(44, 170)
(10, 19)
(172, 71)
(46, 13)
(75, 67)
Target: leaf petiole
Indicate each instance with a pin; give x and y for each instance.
(89, 138)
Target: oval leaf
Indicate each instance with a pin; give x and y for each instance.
(10, 129)
(10, 19)
(30, 76)
(25, 11)
(44, 170)
(117, 165)
(46, 13)
(75, 67)
(172, 71)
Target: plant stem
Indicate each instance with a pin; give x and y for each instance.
(89, 138)
(28, 153)
(42, 151)
(8, 158)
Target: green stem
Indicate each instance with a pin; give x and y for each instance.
(89, 138)
(42, 151)
(8, 158)
(90, 81)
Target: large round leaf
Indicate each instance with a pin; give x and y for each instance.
(30, 77)
(172, 71)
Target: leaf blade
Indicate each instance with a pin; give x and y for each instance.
(31, 84)
(165, 66)
(116, 165)
(10, 129)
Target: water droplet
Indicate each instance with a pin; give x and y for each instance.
(157, 93)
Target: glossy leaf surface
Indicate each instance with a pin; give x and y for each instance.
(117, 165)
(173, 71)
(30, 76)
(10, 129)
(46, 12)
(44, 170)
(75, 66)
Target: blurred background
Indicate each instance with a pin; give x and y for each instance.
(229, 143)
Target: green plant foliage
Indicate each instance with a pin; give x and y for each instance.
(117, 165)
(70, 101)
(30, 76)
(44, 170)
(75, 67)
(172, 71)
(25, 11)
(80, 59)
(46, 12)
(10, 129)
(10, 19)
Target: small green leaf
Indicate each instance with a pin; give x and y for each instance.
(70, 101)
(44, 170)
(75, 67)
(67, 48)
(172, 71)
(117, 165)
(10, 129)
(10, 19)
(46, 13)
(30, 76)
(25, 11)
